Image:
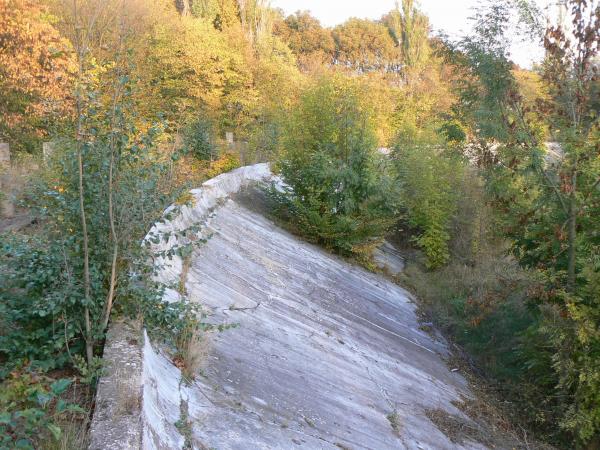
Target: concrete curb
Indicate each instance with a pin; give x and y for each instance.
(117, 423)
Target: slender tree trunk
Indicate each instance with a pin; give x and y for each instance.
(89, 342)
(111, 210)
(113, 235)
(572, 235)
(113, 232)
(183, 6)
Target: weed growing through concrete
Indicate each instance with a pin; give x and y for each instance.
(184, 426)
(394, 419)
(192, 346)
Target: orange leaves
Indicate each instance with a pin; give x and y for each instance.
(34, 58)
(36, 68)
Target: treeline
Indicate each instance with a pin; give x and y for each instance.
(233, 65)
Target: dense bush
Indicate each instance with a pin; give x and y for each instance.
(199, 140)
(547, 205)
(47, 313)
(30, 407)
(338, 190)
(429, 181)
(38, 305)
(485, 302)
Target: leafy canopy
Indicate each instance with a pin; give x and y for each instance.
(337, 187)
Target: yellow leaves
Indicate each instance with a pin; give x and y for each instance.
(33, 56)
(36, 69)
(186, 199)
(227, 162)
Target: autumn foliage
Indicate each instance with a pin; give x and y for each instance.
(36, 71)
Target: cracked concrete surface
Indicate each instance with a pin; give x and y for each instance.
(325, 353)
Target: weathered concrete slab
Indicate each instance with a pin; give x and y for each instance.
(7, 208)
(326, 355)
(324, 352)
(389, 259)
(48, 149)
(117, 422)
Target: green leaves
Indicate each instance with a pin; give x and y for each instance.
(199, 140)
(60, 386)
(429, 181)
(337, 192)
(55, 430)
(32, 408)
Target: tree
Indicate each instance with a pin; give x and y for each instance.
(198, 140)
(34, 84)
(547, 200)
(182, 80)
(364, 46)
(306, 38)
(410, 30)
(429, 180)
(336, 191)
(222, 14)
(256, 17)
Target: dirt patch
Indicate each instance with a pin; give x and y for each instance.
(458, 429)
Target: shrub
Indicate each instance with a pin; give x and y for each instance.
(483, 300)
(30, 407)
(226, 163)
(576, 336)
(338, 190)
(38, 304)
(198, 140)
(429, 182)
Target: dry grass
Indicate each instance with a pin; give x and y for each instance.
(458, 429)
(128, 396)
(74, 426)
(193, 346)
(485, 423)
(185, 269)
(491, 281)
(74, 436)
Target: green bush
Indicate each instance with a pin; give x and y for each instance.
(39, 304)
(429, 183)
(338, 190)
(30, 408)
(577, 361)
(485, 302)
(198, 140)
(43, 303)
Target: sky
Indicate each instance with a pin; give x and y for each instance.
(450, 16)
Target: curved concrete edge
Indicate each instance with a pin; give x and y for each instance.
(204, 200)
(133, 410)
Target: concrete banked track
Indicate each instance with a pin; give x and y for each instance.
(323, 354)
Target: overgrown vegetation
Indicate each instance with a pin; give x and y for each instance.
(33, 409)
(376, 129)
(336, 187)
